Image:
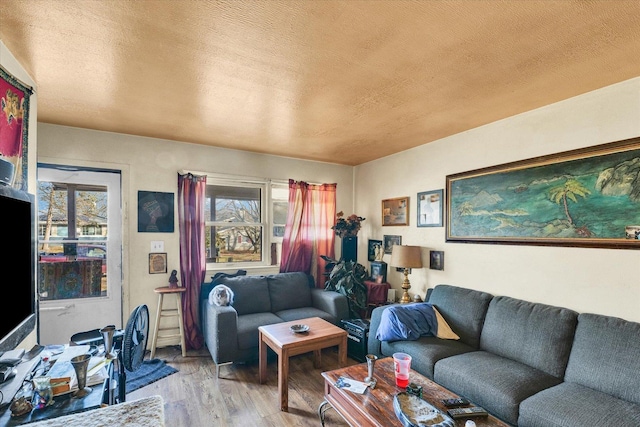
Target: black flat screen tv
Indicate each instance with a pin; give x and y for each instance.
(18, 260)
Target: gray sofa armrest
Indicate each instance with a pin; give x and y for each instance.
(220, 330)
(331, 302)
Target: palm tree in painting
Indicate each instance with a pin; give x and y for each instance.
(570, 190)
(465, 208)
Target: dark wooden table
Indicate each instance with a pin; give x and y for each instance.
(375, 407)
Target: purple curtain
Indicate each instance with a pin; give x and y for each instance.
(191, 197)
(308, 233)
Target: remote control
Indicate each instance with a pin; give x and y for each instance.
(474, 411)
(454, 403)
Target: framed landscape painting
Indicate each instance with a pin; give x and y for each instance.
(395, 211)
(582, 198)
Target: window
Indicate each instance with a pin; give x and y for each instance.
(239, 227)
(72, 232)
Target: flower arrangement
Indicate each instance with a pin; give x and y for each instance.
(348, 226)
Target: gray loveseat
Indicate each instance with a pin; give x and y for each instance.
(231, 332)
(529, 364)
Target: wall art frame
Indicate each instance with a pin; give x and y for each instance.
(14, 128)
(374, 247)
(157, 262)
(155, 212)
(430, 208)
(379, 269)
(395, 211)
(579, 198)
(436, 260)
(390, 241)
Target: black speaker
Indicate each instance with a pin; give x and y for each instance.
(357, 338)
(6, 172)
(350, 248)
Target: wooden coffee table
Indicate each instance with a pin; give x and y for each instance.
(285, 343)
(375, 407)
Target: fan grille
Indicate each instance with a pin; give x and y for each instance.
(134, 343)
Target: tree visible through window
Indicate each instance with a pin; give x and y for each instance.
(72, 237)
(235, 227)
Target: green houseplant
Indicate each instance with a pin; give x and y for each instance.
(347, 277)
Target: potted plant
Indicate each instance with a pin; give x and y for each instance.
(347, 277)
(347, 229)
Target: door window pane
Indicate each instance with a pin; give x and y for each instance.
(72, 241)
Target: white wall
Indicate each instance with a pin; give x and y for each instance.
(603, 281)
(153, 165)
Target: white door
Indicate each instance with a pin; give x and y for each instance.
(79, 251)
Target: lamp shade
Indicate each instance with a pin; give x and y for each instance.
(406, 256)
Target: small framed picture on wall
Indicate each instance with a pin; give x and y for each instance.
(436, 260)
(157, 263)
(379, 271)
(374, 252)
(395, 211)
(390, 241)
(430, 208)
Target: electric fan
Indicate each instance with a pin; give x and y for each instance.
(134, 345)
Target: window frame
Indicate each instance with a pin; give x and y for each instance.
(266, 213)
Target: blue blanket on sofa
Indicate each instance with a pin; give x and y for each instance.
(407, 322)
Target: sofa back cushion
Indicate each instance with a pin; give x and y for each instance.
(606, 356)
(206, 288)
(289, 290)
(537, 335)
(463, 309)
(250, 293)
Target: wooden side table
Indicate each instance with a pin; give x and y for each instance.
(167, 312)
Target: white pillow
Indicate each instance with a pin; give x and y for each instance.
(444, 330)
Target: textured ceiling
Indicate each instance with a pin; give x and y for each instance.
(338, 81)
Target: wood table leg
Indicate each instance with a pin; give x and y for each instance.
(317, 358)
(283, 380)
(262, 359)
(342, 353)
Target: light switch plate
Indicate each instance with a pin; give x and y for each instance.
(157, 246)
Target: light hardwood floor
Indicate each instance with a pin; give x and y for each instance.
(195, 397)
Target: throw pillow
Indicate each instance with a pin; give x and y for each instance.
(444, 330)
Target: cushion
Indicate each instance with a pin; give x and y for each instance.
(495, 383)
(444, 330)
(537, 335)
(248, 324)
(573, 405)
(601, 339)
(289, 290)
(205, 289)
(303, 313)
(251, 293)
(464, 309)
(426, 351)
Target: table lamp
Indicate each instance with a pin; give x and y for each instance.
(406, 257)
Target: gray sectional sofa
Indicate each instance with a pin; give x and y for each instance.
(231, 332)
(529, 364)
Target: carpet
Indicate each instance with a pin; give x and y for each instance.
(149, 372)
(145, 412)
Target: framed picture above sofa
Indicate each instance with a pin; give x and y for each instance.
(581, 198)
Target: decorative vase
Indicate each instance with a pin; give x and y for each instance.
(350, 248)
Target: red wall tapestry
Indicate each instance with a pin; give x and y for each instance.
(14, 122)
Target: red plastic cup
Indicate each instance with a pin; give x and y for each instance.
(402, 363)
